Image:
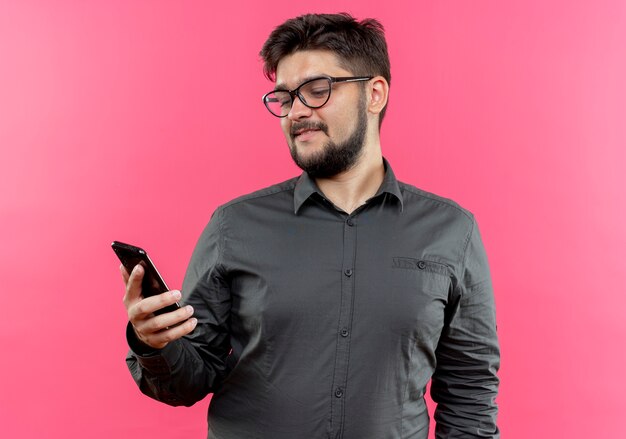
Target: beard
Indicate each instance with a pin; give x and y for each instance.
(334, 158)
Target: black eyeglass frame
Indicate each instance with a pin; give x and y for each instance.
(296, 91)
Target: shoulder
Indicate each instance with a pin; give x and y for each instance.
(441, 218)
(246, 211)
(267, 195)
(426, 203)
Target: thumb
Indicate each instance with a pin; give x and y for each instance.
(133, 285)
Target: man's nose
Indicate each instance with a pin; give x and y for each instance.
(298, 110)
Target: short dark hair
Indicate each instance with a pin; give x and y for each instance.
(360, 46)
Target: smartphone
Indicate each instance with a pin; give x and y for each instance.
(152, 283)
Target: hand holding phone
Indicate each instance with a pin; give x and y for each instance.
(153, 310)
(152, 283)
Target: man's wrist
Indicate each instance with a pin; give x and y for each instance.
(137, 346)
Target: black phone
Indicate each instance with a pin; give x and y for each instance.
(152, 283)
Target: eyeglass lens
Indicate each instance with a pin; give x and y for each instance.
(313, 94)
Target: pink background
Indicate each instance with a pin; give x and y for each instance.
(133, 120)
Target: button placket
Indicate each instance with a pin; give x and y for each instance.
(340, 376)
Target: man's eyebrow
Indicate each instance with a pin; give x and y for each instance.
(283, 86)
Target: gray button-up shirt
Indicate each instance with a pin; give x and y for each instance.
(313, 323)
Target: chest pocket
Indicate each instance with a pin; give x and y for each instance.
(419, 295)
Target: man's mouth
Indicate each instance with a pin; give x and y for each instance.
(305, 132)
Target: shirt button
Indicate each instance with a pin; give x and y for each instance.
(344, 332)
(348, 272)
(421, 265)
(338, 392)
(350, 222)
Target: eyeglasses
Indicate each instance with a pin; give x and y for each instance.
(313, 93)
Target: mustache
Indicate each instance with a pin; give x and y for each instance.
(308, 125)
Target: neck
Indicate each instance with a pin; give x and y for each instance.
(352, 188)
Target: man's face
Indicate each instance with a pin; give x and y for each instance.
(329, 140)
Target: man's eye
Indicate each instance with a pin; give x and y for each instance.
(319, 92)
(281, 99)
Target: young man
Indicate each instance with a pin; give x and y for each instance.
(322, 306)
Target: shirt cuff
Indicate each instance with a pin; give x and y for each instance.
(139, 348)
(155, 360)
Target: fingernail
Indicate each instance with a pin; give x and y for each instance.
(194, 322)
(189, 309)
(176, 294)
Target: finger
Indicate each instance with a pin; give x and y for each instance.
(160, 339)
(164, 321)
(133, 286)
(141, 309)
(125, 274)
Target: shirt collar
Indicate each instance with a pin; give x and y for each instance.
(306, 186)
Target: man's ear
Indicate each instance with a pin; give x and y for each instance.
(378, 94)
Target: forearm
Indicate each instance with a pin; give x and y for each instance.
(183, 372)
(465, 382)
(465, 387)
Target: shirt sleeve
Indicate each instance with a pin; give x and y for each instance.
(188, 369)
(465, 383)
